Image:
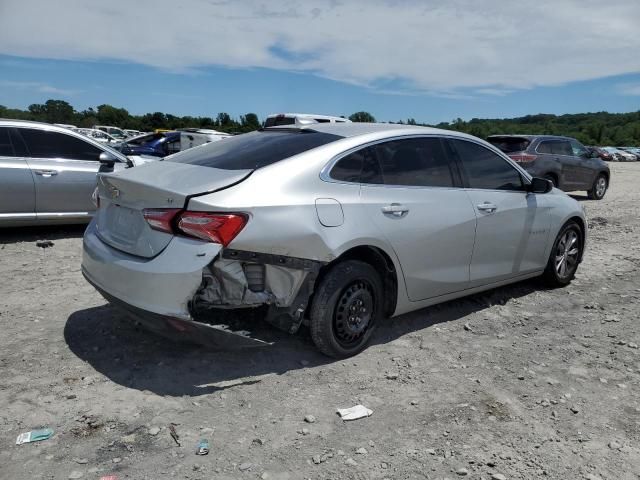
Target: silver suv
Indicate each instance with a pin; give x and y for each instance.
(48, 173)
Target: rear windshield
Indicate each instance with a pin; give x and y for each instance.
(253, 150)
(509, 144)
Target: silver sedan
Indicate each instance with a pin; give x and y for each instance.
(48, 173)
(332, 226)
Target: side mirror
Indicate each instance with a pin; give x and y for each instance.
(540, 185)
(107, 161)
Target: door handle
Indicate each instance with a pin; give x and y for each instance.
(46, 173)
(395, 209)
(487, 207)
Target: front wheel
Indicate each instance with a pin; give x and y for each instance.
(565, 256)
(346, 308)
(599, 188)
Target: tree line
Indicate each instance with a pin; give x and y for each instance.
(600, 128)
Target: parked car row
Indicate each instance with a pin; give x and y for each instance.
(622, 154)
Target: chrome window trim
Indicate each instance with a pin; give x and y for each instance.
(324, 173)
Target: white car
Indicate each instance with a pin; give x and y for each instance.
(98, 135)
(300, 119)
(335, 226)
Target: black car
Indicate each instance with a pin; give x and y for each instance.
(563, 160)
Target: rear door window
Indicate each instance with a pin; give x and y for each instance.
(485, 169)
(253, 150)
(46, 144)
(6, 147)
(416, 162)
(555, 147)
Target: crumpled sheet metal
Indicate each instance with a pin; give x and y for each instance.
(226, 285)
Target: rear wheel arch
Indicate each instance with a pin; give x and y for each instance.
(381, 262)
(583, 231)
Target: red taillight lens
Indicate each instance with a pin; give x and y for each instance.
(214, 227)
(523, 158)
(160, 218)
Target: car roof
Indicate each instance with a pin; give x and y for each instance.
(354, 129)
(529, 137)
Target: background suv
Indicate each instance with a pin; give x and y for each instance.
(566, 162)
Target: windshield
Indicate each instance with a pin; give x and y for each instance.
(253, 150)
(509, 144)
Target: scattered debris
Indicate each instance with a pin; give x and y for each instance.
(174, 434)
(203, 447)
(34, 436)
(354, 413)
(44, 243)
(467, 327)
(392, 376)
(310, 419)
(462, 472)
(361, 451)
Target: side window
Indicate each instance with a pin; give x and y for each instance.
(6, 147)
(485, 169)
(172, 147)
(577, 148)
(419, 162)
(545, 147)
(44, 144)
(359, 166)
(562, 147)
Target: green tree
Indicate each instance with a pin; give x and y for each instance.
(364, 117)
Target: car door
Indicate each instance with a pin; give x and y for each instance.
(512, 225)
(586, 165)
(17, 190)
(64, 170)
(571, 171)
(410, 192)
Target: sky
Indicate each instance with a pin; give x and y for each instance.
(428, 60)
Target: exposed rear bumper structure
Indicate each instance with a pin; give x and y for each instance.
(191, 285)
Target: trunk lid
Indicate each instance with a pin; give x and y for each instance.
(124, 195)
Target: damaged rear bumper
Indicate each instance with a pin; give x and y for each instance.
(187, 287)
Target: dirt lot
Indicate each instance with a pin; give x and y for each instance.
(520, 382)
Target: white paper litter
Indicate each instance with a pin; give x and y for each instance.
(354, 413)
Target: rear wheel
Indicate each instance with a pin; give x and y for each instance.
(565, 256)
(599, 187)
(346, 308)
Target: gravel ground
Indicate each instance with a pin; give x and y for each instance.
(517, 383)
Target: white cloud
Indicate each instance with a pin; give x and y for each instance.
(38, 87)
(485, 46)
(629, 89)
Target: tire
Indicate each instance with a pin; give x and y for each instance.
(563, 260)
(599, 187)
(349, 287)
(552, 179)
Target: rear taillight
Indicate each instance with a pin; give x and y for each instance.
(160, 219)
(523, 157)
(214, 227)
